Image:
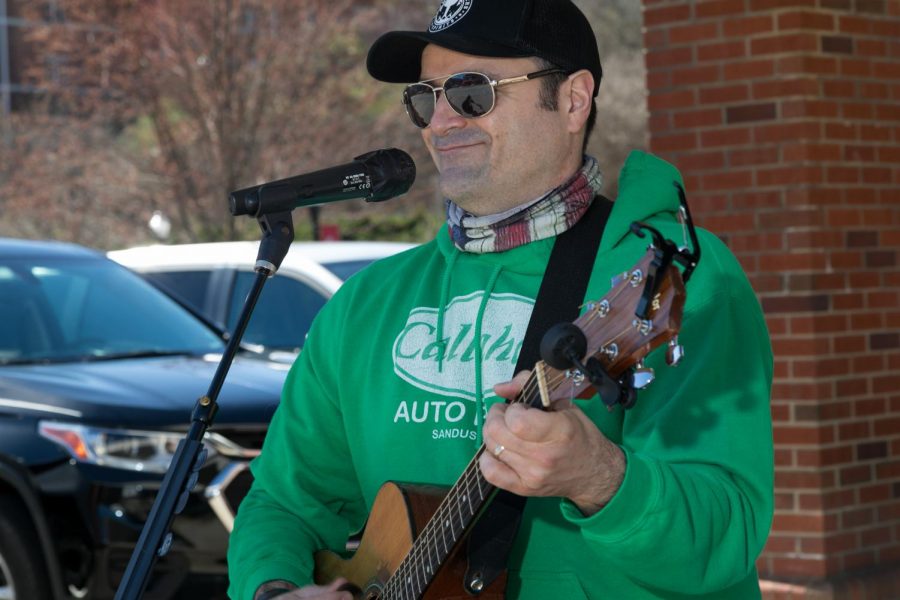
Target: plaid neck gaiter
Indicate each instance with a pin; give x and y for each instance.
(548, 216)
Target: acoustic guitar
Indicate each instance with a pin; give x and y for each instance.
(412, 544)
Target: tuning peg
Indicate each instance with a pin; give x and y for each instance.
(643, 376)
(674, 352)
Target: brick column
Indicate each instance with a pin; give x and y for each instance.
(784, 116)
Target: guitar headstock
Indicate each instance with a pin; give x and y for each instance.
(615, 337)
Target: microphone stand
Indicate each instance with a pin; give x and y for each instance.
(182, 474)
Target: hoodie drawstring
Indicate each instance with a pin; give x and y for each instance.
(442, 307)
(479, 392)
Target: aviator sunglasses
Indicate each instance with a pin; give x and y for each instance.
(470, 95)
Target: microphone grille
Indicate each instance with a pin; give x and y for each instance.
(391, 171)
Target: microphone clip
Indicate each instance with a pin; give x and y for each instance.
(277, 236)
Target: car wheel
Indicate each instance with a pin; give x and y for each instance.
(23, 574)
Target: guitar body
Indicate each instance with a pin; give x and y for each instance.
(398, 514)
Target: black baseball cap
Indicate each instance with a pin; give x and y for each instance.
(555, 30)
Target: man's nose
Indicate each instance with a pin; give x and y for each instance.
(445, 118)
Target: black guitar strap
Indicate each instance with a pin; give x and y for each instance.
(559, 299)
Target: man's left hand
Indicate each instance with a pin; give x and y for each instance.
(560, 453)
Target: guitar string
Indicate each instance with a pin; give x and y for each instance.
(429, 534)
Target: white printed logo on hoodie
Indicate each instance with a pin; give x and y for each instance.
(448, 368)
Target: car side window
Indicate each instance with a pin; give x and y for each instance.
(282, 315)
(345, 268)
(188, 286)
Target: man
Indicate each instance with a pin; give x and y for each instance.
(671, 499)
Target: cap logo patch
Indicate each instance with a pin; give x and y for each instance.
(449, 13)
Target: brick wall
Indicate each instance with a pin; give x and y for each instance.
(784, 116)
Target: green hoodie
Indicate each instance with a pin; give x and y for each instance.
(389, 385)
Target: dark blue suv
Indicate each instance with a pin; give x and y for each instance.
(99, 372)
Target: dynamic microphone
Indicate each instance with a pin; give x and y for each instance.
(375, 176)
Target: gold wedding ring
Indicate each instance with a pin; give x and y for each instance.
(498, 450)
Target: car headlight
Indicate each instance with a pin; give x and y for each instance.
(146, 451)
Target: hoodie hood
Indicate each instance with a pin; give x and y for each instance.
(646, 188)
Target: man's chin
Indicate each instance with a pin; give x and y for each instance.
(458, 183)
(463, 196)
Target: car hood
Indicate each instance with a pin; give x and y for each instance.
(138, 393)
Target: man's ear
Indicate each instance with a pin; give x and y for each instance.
(579, 99)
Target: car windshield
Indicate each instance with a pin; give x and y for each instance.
(76, 309)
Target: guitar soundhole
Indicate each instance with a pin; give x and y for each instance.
(373, 592)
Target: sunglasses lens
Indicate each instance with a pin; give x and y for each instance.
(419, 101)
(470, 94)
